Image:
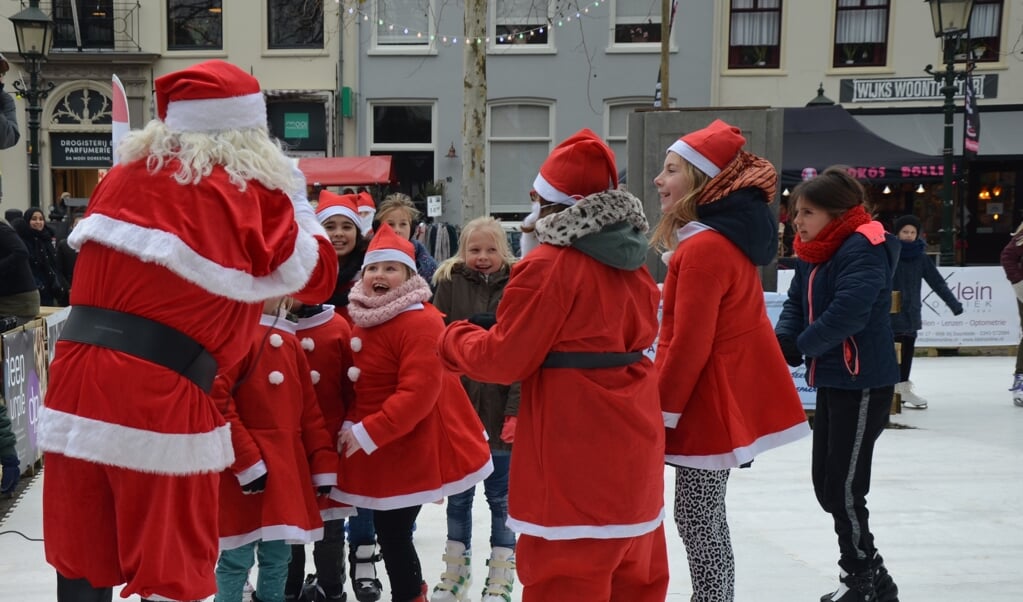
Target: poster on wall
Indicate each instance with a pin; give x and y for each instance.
(25, 379)
(807, 393)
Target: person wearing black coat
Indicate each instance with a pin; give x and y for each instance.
(42, 255)
(19, 296)
(914, 266)
(9, 133)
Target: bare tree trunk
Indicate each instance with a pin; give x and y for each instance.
(474, 116)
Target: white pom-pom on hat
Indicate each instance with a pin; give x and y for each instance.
(308, 343)
(276, 377)
(315, 376)
(276, 340)
(356, 344)
(353, 374)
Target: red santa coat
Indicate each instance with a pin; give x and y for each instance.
(325, 338)
(420, 435)
(726, 391)
(277, 430)
(196, 258)
(589, 445)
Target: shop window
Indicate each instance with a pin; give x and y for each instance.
(754, 34)
(636, 22)
(521, 23)
(195, 25)
(294, 24)
(861, 33)
(90, 25)
(403, 24)
(519, 137)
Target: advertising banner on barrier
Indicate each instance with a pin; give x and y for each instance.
(25, 377)
(807, 394)
(990, 317)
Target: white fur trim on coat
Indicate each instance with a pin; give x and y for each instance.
(586, 531)
(217, 114)
(289, 534)
(166, 249)
(415, 498)
(741, 455)
(133, 448)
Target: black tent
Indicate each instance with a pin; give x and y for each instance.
(821, 136)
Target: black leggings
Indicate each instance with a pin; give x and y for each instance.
(328, 557)
(394, 535)
(908, 341)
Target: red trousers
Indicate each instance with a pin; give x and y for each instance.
(593, 570)
(156, 533)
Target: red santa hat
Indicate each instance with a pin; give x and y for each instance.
(366, 202)
(386, 245)
(331, 204)
(580, 166)
(208, 97)
(711, 148)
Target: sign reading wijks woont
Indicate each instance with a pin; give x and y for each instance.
(896, 89)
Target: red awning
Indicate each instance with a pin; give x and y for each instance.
(352, 171)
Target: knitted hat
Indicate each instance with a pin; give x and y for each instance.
(711, 148)
(908, 220)
(208, 97)
(331, 204)
(386, 245)
(580, 166)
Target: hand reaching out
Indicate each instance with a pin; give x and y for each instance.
(347, 444)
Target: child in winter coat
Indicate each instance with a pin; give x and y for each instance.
(726, 393)
(324, 337)
(836, 315)
(586, 487)
(398, 212)
(412, 436)
(283, 460)
(1012, 263)
(471, 284)
(914, 266)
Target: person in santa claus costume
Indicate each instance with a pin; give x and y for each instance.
(202, 220)
(284, 458)
(324, 336)
(409, 412)
(726, 392)
(577, 313)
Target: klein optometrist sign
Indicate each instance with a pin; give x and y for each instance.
(896, 89)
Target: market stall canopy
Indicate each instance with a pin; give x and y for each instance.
(348, 171)
(821, 136)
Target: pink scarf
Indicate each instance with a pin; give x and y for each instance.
(367, 311)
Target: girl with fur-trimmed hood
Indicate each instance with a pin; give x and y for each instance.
(725, 391)
(576, 315)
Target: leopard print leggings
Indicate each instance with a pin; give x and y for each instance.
(703, 526)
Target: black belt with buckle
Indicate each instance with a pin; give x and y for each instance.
(142, 338)
(590, 360)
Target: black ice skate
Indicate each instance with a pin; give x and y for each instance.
(856, 587)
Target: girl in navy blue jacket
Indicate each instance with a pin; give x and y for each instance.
(836, 315)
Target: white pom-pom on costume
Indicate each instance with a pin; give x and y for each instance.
(666, 257)
(276, 340)
(308, 344)
(276, 377)
(315, 376)
(353, 374)
(356, 344)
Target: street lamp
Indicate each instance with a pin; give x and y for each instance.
(33, 30)
(951, 19)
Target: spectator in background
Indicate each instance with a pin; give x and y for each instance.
(400, 213)
(42, 256)
(67, 255)
(1012, 263)
(19, 296)
(9, 134)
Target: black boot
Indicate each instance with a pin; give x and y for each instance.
(363, 572)
(80, 590)
(884, 585)
(855, 587)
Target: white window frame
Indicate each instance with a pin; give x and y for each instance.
(494, 47)
(381, 147)
(427, 45)
(635, 47)
(619, 139)
(527, 184)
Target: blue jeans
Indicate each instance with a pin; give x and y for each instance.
(360, 529)
(495, 487)
(234, 565)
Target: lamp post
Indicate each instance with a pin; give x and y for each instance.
(33, 30)
(951, 19)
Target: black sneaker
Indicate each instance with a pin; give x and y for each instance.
(884, 585)
(857, 587)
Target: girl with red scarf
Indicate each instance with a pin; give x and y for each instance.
(836, 315)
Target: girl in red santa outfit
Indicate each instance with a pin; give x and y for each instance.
(283, 460)
(324, 337)
(576, 315)
(408, 411)
(726, 393)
